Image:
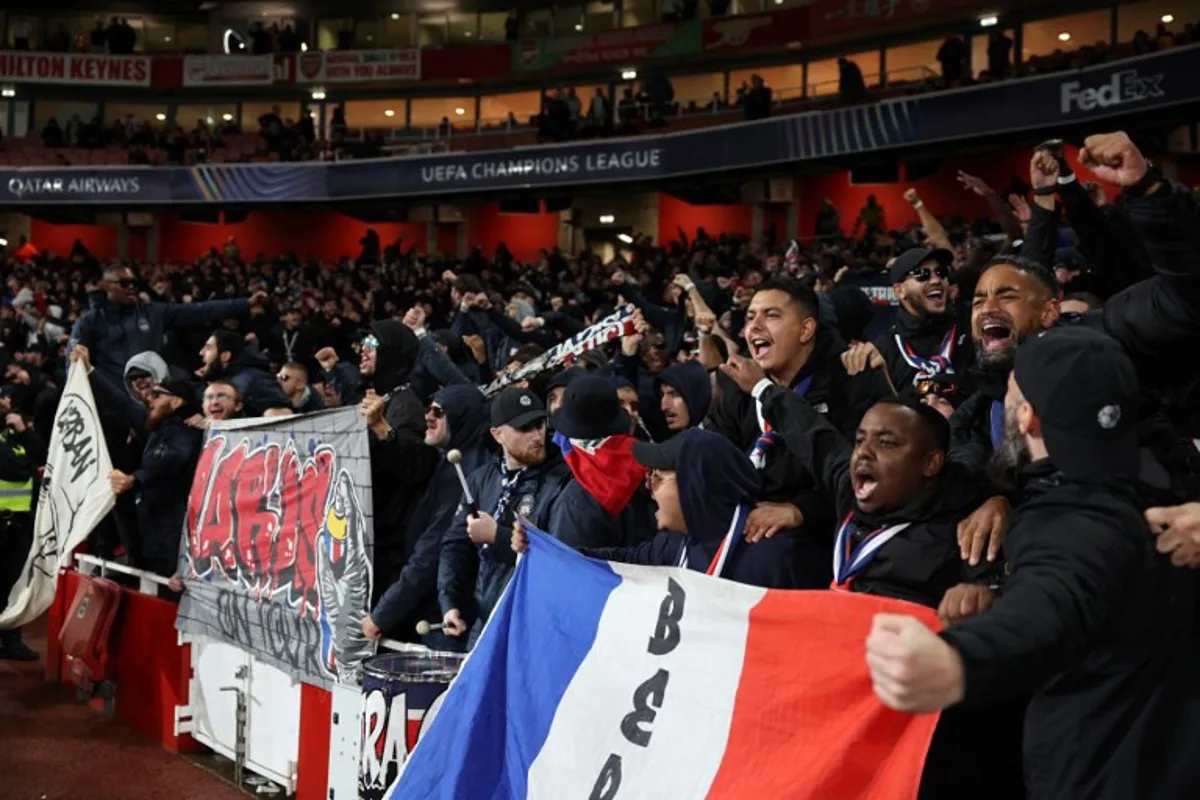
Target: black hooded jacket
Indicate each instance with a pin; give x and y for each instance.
(714, 479)
(401, 464)
(925, 335)
(250, 372)
(841, 399)
(691, 380)
(1096, 625)
(413, 595)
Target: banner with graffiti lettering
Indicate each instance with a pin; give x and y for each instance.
(278, 543)
(74, 496)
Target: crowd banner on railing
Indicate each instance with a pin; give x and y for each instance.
(228, 70)
(78, 69)
(619, 47)
(277, 548)
(607, 681)
(1119, 90)
(359, 66)
(74, 496)
(615, 325)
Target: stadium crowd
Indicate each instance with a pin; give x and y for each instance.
(993, 418)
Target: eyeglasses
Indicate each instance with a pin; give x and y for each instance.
(437, 411)
(923, 274)
(211, 396)
(370, 341)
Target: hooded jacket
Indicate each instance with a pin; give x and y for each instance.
(402, 464)
(1096, 625)
(692, 382)
(149, 362)
(250, 373)
(714, 479)
(115, 333)
(413, 593)
(164, 479)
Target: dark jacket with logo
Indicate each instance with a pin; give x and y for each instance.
(714, 479)
(840, 398)
(1096, 625)
(926, 336)
(412, 596)
(471, 578)
(115, 333)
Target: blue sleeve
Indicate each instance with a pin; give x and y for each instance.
(458, 561)
(661, 551)
(659, 317)
(438, 365)
(419, 577)
(346, 381)
(83, 332)
(209, 312)
(109, 396)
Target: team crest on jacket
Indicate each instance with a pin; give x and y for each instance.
(525, 507)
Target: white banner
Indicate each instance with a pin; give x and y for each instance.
(95, 70)
(228, 70)
(74, 497)
(357, 66)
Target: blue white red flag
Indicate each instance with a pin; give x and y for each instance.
(610, 681)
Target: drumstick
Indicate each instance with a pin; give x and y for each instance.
(455, 458)
(423, 627)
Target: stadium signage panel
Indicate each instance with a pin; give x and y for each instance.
(534, 166)
(228, 70)
(359, 66)
(74, 68)
(1151, 83)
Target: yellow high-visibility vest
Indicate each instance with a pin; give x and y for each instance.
(16, 496)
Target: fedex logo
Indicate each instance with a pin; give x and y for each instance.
(1123, 87)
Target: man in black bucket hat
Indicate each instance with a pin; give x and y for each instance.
(1091, 621)
(608, 499)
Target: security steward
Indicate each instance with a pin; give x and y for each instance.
(22, 452)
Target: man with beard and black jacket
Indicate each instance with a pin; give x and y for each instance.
(1091, 620)
(797, 352)
(901, 503)
(457, 419)
(705, 489)
(164, 479)
(226, 357)
(686, 392)
(476, 561)
(926, 351)
(401, 461)
(1014, 299)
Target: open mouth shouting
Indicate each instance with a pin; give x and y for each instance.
(864, 482)
(997, 333)
(760, 348)
(936, 294)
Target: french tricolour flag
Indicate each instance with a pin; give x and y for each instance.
(608, 681)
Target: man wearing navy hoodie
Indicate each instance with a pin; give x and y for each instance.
(457, 419)
(705, 489)
(686, 392)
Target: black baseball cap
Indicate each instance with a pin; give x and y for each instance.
(663, 455)
(914, 257)
(1084, 389)
(517, 408)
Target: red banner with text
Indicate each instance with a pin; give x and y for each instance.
(74, 68)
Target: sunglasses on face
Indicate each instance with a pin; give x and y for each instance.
(371, 342)
(923, 274)
(437, 411)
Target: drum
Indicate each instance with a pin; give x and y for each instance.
(401, 693)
